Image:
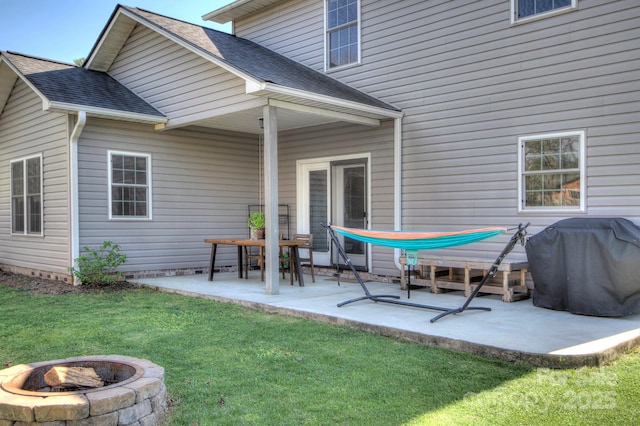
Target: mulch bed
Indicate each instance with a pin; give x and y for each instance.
(38, 285)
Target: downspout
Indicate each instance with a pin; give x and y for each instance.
(397, 183)
(74, 211)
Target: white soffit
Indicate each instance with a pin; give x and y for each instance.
(247, 121)
(8, 79)
(113, 38)
(238, 9)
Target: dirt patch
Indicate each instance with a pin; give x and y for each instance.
(37, 285)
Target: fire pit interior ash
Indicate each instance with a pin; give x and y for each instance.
(33, 381)
(110, 390)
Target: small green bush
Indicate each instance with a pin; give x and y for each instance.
(98, 266)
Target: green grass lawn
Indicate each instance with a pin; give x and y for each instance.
(228, 365)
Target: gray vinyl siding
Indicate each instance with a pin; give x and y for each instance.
(343, 139)
(470, 83)
(25, 130)
(181, 84)
(294, 29)
(202, 183)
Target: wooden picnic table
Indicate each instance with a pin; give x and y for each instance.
(241, 243)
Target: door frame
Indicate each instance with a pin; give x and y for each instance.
(303, 166)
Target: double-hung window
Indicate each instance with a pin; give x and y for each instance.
(129, 185)
(342, 33)
(529, 9)
(26, 196)
(551, 169)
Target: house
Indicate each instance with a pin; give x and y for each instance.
(422, 115)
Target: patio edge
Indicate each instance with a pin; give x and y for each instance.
(595, 359)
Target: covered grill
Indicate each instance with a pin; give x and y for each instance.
(587, 266)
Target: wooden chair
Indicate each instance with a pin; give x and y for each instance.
(259, 257)
(309, 248)
(286, 261)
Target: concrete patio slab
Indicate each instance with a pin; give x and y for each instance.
(510, 331)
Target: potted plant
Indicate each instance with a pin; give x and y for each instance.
(256, 225)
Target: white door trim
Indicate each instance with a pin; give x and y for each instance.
(302, 194)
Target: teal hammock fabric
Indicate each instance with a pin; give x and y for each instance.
(414, 241)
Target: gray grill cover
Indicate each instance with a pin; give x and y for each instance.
(588, 266)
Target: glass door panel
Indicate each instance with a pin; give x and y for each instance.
(333, 191)
(319, 210)
(350, 207)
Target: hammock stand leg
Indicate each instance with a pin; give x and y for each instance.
(367, 293)
(518, 236)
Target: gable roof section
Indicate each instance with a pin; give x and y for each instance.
(264, 70)
(8, 78)
(67, 88)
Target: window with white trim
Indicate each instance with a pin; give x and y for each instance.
(129, 185)
(527, 9)
(26, 196)
(342, 33)
(551, 171)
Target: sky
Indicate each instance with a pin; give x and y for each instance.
(65, 30)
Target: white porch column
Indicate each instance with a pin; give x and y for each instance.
(272, 280)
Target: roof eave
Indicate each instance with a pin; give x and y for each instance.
(8, 78)
(271, 88)
(102, 54)
(66, 107)
(22, 77)
(237, 9)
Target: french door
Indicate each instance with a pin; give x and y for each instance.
(336, 191)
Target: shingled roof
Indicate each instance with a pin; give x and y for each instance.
(257, 61)
(70, 87)
(74, 86)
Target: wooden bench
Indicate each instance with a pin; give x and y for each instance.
(455, 273)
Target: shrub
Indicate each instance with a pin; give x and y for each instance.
(98, 266)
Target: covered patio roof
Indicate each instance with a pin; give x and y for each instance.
(309, 97)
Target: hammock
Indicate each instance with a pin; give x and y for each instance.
(409, 240)
(414, 241)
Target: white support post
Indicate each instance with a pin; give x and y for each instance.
(272, 279)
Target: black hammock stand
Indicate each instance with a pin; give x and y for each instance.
(518, 236)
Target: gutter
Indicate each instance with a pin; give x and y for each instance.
(65, 107)
(74, 188)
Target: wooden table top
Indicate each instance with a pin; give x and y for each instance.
(253, 243)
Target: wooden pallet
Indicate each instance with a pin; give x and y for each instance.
(455, 273)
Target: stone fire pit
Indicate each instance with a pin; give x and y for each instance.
(134, 393)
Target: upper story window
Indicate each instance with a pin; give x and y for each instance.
(528, 9)
(26, 196)
(129, 185)
(342, 33)
(551, 169)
